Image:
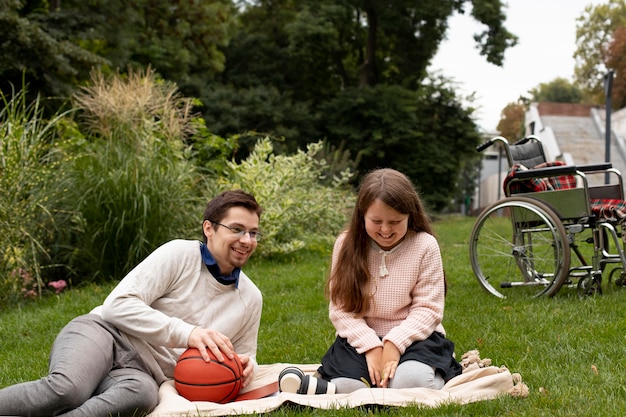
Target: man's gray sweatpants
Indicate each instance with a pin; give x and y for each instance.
(93, 371)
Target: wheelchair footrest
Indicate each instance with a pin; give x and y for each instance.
(523, 284)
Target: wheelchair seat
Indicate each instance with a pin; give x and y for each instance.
(612, 208)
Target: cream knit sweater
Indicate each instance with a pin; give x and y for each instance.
(159, 303)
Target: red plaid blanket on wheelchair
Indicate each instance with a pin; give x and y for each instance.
(560, 182)
(613, 210)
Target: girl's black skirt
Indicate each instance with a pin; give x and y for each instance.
(342, 360)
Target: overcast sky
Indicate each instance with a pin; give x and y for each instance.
(547, 40)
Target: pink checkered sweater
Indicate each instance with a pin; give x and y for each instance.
(408, 295)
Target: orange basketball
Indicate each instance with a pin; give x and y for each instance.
(214, 381)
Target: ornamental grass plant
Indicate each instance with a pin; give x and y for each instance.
(26, 164)
(127, 185)
(569, 351)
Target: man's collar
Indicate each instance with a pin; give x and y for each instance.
(214, 269)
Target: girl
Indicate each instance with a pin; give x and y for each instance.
(386, 289)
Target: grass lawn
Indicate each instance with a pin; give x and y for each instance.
(569, 351)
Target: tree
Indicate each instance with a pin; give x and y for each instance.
(427, 134)
(616, 59)
(401, 37)
(39, 47)
(354, 73)
(54, 45)
(559, 90)
(511, 124)
(181, 40)
(363, 42)
(283, 68)
(444, 150)
(594, 34)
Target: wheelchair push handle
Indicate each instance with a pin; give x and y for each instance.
(491, 142)
(484, 146)
(522, 141)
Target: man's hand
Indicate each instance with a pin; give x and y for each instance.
(216, 342)
(248, 369)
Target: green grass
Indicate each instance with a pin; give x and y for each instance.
(569, 351)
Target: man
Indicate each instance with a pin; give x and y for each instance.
(185, 294)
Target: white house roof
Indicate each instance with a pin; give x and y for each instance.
(574, 133)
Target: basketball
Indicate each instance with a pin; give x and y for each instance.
(214, 381)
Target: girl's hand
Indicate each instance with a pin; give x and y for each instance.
(389, 363)
(374, 364)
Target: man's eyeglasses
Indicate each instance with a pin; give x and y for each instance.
(254, 235)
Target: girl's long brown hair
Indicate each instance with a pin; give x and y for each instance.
(347, 283)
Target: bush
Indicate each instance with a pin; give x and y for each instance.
(25, 170)
(87, 198)
(299, 210)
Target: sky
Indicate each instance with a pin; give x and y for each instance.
(546, 31)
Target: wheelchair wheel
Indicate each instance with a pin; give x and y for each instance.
(620, 280)
(520, 243)
(589, 286)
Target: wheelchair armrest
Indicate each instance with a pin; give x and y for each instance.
(546, 172)
(595, 167)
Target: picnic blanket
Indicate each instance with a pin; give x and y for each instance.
(479, 381)
(609, 209)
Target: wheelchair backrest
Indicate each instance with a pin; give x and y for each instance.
(529, 154)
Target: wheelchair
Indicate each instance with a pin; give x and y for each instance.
(530, 241)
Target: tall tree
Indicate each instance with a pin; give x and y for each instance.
(354, 72)
(308, 50)
(594, 35)
(40, 46)
(366, 42)
(284, 67)
(55, 44)
(616, 60)
(181, 40)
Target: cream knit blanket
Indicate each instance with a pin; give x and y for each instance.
(479, 381)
